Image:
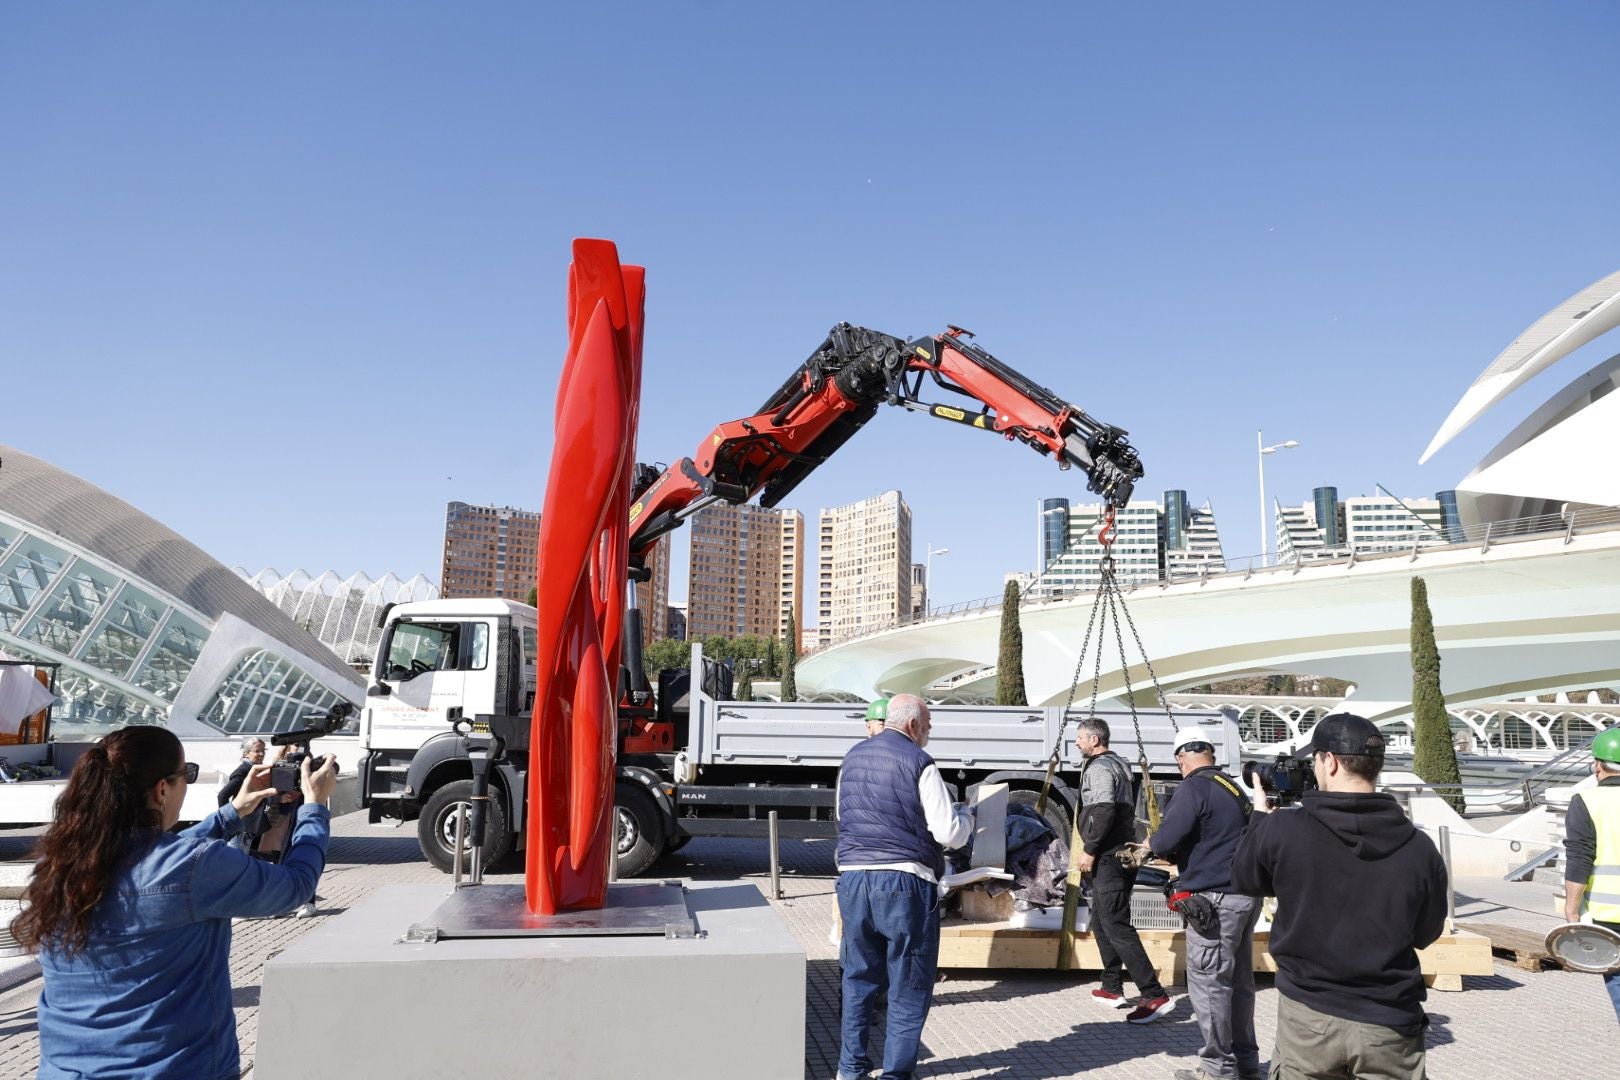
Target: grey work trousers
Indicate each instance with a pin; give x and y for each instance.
(1220, 982)
(1312, 1045)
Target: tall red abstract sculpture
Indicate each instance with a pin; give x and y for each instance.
(584, 551)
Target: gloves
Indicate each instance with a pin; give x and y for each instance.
(1199, 912)
(1133, 856)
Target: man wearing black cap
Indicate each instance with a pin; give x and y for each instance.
(1359, 890)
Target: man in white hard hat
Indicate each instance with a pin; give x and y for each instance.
(1200, 831)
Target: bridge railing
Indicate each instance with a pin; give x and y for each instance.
(1421, 540)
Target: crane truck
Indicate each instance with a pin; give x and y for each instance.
(455, 678)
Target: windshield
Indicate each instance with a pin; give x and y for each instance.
(418, 647)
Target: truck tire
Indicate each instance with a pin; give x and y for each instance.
(1057, 812)
(436, 828)
(640, 832)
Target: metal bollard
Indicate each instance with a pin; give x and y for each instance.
(1451, 890)
(461, 836)
(776, 862)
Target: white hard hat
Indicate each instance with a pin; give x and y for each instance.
(1189, 735)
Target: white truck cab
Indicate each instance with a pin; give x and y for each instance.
(439, 661)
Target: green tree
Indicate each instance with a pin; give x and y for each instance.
(1434, 756)
(773, 659)
(533, 598)
(745, 680)
(1010, 658)
(663, 654)
(790, 687)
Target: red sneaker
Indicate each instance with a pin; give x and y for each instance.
(1110, 998)
(1148, 1010)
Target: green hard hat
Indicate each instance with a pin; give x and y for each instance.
(1606, 747)
(878, 710)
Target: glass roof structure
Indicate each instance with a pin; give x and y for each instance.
(341, 612)
(147, 628)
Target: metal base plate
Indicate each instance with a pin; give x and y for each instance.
(1581, 947)
(501, 911)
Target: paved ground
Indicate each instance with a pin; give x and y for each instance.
(1013, 1027)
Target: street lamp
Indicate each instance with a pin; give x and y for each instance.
(928, 574)
(1259, 444)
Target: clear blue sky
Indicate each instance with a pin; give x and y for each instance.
(290, 277)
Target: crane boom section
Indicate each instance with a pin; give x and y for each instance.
(837, 390)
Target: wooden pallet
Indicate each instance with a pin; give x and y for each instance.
(1525, 948)
(999, 945)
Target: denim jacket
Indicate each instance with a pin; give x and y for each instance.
(151, 994)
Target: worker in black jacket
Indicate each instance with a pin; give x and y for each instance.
(1107, 823)
(1200, 832)
(1359, 890)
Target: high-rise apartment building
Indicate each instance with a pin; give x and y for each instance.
(489, 551)
(1329, 527)
(1152, 540)
(744, 570)
(792, 563)
(865, 567)
(919, 591)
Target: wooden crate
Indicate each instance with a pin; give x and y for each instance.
(965, 944)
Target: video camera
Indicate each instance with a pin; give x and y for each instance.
(269, 825)
(1284, 780)
(284, 775)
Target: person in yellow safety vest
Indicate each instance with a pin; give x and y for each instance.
(877, 714)
(1592, 848)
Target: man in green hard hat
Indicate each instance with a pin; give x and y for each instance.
(1592, 848)
(877, 714)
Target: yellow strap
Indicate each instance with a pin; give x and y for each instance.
(1071, 898)
(1046, 785)
(1149, 794)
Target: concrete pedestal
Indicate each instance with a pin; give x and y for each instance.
(350, 999)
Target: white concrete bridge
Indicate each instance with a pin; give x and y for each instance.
(1533, 614)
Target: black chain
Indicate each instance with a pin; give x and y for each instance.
(1157, 689)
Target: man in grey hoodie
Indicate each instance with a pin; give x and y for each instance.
(1359, 890)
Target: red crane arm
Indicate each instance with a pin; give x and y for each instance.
(837, 390)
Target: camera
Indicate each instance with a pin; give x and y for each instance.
(1284, 780)
(271, 824)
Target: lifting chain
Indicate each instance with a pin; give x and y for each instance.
(1108, 604)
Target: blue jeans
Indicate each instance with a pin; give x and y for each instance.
(891, 942)
(1612, 981)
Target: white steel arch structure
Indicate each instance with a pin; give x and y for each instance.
(342, 613)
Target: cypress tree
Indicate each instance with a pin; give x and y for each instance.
(745, 682)
(1434, 756)
(773, 659)
(790, 657)
(1010, 658)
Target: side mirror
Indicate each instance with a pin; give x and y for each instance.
(380, 689)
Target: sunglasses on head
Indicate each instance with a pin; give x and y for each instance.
(189, 772)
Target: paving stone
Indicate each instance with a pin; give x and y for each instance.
(1007, 1026)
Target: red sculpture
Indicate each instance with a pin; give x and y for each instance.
(584, 545)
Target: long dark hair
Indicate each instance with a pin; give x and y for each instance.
(102, 818)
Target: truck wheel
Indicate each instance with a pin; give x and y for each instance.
(436, 828)
(640, 832)
(1056, 815)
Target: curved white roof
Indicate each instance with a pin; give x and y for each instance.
(116, 532)
(1593, 311)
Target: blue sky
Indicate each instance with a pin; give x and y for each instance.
(290, 277)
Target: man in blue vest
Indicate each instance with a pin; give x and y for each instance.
(1592, 848)
(895, 820)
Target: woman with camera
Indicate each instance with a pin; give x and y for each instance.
(132, 923)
